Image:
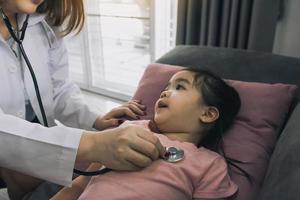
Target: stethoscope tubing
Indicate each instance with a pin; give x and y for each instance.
(175, 154)
(19, 40)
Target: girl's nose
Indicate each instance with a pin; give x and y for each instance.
(164, 94)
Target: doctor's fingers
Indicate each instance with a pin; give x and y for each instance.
(141, 140)
(155, 149)
(137, 160)
(145, 148)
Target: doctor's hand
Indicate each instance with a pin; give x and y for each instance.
(132, 109)
(124, 148)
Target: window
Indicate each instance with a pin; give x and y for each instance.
(120, 38)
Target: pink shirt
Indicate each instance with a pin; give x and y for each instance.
(202, 174)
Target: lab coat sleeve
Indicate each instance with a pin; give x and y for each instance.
(70, 108)
(45, 153)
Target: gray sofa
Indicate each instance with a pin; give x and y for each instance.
(282, 179)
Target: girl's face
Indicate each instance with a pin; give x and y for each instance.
(20, 6)
(180, 105)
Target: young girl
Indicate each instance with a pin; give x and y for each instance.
(192, 114)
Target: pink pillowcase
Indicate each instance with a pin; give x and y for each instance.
(253, 134)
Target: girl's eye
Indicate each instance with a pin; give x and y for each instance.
(166, 89)
(180, 87)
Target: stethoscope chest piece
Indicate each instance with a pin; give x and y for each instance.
(174, 154)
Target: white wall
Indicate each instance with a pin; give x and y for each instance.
(287, 38)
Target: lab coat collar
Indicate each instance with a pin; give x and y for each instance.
(33, 19)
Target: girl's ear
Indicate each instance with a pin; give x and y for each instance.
(209, 114)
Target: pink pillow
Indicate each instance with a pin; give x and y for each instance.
(252, 137)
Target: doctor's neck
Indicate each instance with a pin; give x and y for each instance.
(9, 9)
(3, 29)
(9, 13)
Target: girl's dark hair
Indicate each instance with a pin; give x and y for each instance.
(60, 11)
(216, 92)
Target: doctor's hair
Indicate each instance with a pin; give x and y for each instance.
(69, 13)
(217, 93)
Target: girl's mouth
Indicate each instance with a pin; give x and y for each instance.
(161, 104)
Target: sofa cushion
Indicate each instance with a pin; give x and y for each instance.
(253, 135)
(283, 174)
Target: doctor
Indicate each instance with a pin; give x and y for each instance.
(50, 152)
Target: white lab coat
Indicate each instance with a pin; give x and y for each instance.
(46, 153)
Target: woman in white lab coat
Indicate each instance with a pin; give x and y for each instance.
(50, 152)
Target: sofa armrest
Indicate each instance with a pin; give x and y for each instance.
(283, 174)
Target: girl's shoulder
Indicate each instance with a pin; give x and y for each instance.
(210, 157)
(210, 153)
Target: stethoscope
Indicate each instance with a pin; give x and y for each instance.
(173, 154)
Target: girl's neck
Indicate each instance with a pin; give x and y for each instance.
(194, 138)
(185, 137)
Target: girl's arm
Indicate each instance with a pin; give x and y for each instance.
(78, 186)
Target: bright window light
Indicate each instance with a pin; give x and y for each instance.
(120, 38)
